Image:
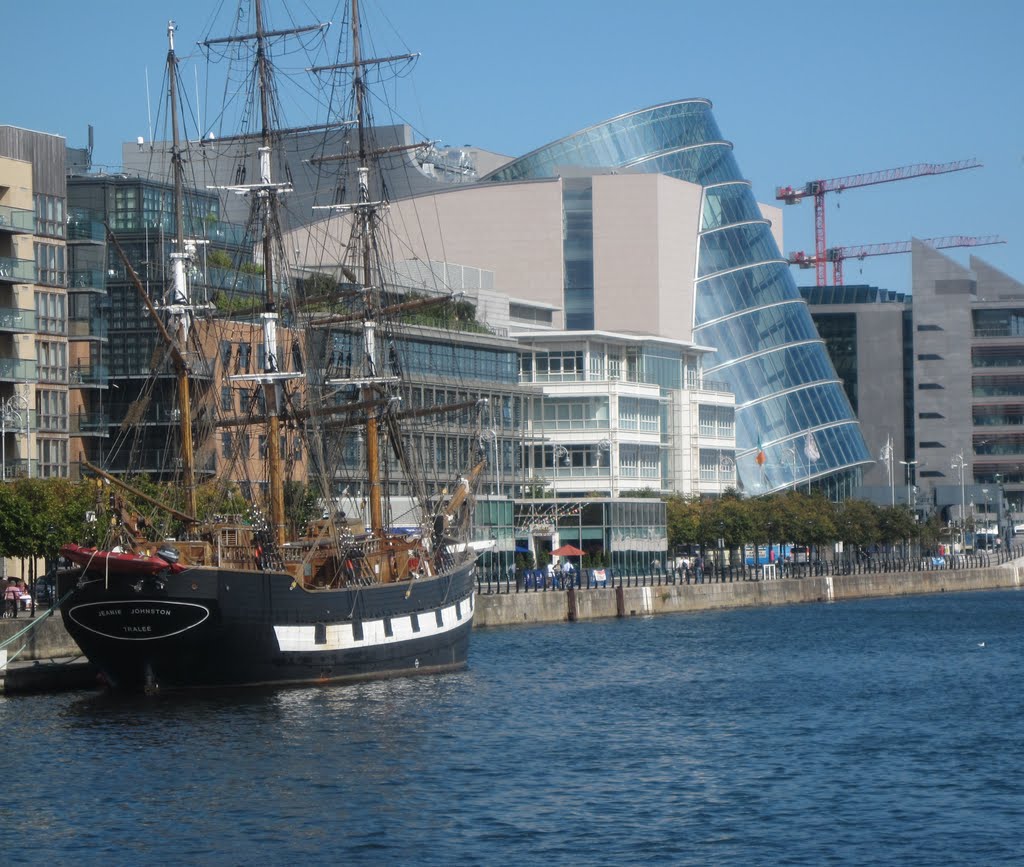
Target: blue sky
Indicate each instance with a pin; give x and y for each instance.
(804, 90)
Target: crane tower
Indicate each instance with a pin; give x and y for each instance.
(817, 189)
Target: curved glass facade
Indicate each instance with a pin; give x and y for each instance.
(788, 397)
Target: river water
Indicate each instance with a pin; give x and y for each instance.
(868, 732)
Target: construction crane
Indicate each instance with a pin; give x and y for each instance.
(817, 189)
(836, 255)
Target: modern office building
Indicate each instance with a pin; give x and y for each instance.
(968, 354)
(34, 398)
(868, 335)
(622, 414)
(936, 373)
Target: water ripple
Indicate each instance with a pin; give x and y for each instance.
(875, 732)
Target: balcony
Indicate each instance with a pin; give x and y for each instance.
(88, 424)
(17, 221)
(81, 279)
(17, 319)
(18, 370)
(88, 376)
(15, 468)
(231, 234)
(17, 270)
(82, 227)
(88, 328)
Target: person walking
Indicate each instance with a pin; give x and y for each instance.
(12, 598)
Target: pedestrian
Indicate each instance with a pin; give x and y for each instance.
(550, 573)
(12, 598)
(567, 572)
(698, 567)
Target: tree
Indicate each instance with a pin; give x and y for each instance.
(300, 504)
(895, 524)
(683, 520)
(857, 522)
(15, 521)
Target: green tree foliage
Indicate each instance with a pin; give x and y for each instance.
(300, 504)
(790, 517)
(219, 259)
(39, 515)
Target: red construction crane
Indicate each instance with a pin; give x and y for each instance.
(836, 255)
(792, 196)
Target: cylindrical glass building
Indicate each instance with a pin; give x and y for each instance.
(789, 402)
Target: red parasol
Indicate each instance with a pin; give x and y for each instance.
(568, 551)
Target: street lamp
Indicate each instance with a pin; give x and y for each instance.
(790, 452)
(10, 413)
(726, 469)
(908, 465)
(958, 464)
(559, 455)
(887, 456)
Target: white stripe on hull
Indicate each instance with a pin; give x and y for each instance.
(340, 636)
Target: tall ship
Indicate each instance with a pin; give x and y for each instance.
(226, 577)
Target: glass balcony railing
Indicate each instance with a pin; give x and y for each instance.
(88, 374)
(88, 424)
(92, 326)
(231, 234)
(86, 278)
(82, 228)
(19, 469)
(18, 369)
(226, 280)
(17, 270)
(17, 219)
(17, 319)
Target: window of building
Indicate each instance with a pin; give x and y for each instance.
(929, 386)
(50, 264)
(717, 421)
(53, 457)
(556, 366)
(52, 410)
(52, 359)
(51, 312)
(525, 313)
(49, 215)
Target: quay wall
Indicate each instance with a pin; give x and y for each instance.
(554, 606)
(49, 640)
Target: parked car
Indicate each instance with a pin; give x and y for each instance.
(46, 590)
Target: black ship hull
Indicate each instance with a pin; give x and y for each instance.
(207, 627)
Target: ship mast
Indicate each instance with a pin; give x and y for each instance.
(179, 308)
(272, 388)
(365, 215)
(266, 192)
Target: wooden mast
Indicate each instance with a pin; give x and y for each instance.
(180, 301)
(373, 302)
(272, 388)
(266, 192)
